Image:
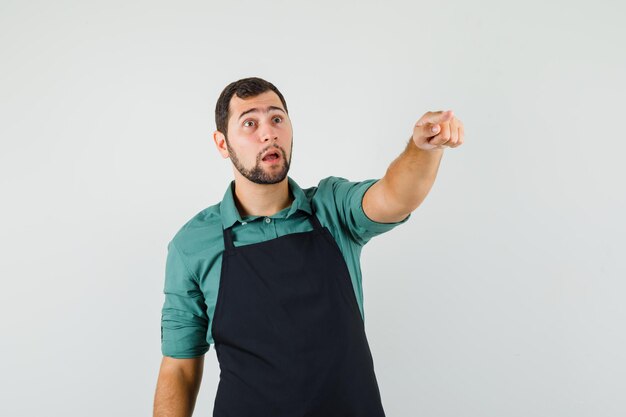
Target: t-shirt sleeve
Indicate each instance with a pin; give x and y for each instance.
(348, 198)
(184, 321)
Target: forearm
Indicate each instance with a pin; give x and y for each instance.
(410, 177)
(176, 394)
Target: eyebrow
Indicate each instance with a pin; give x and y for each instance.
(254, 109)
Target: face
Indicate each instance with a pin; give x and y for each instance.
(255, 133)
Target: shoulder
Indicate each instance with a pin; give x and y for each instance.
(328, 185)
(334, 183)
(335, 199)
(201, 229)
(341, 201)
(339, 190)
(329, 192)
(330, 182)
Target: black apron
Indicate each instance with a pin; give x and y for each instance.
(288, 333)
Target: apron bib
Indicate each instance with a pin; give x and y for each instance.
(288, 333)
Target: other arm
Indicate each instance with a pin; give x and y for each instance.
(177, 386)
(411, 175)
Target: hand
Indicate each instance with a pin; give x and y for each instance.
(448, 131)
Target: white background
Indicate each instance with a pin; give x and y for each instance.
(502, 296)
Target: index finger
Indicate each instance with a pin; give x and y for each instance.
(436, 117)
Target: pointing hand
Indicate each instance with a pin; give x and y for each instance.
(438, 130)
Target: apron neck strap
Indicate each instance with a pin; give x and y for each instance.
(228, 238)
(314, 220)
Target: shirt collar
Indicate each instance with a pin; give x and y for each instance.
(230, 214)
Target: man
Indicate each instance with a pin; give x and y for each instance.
(271, 275)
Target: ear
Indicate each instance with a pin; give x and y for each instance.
(220, 143)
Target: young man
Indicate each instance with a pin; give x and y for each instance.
(271, 274)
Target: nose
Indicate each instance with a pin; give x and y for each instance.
(268, 133)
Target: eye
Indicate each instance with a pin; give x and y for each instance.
(247, 121)
(279, 118)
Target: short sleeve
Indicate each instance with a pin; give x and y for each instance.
(348, 196)
(184, 320)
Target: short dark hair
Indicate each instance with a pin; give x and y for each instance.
(244, 88)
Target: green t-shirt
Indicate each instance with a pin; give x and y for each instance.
(194, 260)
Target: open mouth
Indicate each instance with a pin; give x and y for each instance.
(271, 157)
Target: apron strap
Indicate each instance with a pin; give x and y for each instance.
(228, 239)
(314, 220)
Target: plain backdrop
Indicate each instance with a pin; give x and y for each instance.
(502, 296)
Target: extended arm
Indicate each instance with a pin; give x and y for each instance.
(411, 175)
(177, 386)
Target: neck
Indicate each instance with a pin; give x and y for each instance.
(254, 199)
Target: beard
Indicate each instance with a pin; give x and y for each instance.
(257, 174)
